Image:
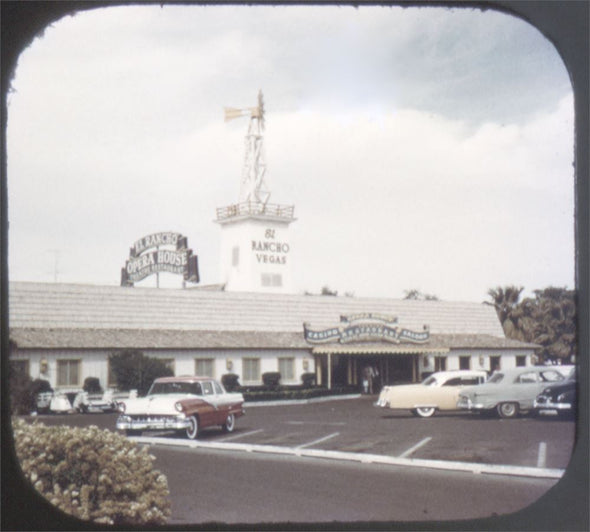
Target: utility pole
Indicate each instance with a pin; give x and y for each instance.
(56, 254)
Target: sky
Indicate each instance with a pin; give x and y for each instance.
(422, 148)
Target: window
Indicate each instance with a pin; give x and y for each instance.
(465, 362)
(287, 368)
(217, 387)
(251, 369)
(170, 364)
(235, 256)
(495, 364)
(272, 279)
(440, 364)
(207, 388)
(204, 367)
(527, 378)
(68, 372)
(520, 361)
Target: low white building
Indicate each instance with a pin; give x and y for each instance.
(65, 333)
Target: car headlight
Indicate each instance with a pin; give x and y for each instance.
(121, 407)
(178, 406)
(561, 398)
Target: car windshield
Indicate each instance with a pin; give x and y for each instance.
(193, 388)
(496, 378)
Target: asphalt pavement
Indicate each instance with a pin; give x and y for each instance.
(349, 461)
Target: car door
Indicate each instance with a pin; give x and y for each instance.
(526, 387)
(209, 413)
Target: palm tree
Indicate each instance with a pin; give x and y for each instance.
(505, 301)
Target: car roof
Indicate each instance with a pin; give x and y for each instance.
(183, 378)
(521, 369)
(460, 372)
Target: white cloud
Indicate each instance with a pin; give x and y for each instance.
(406, 142)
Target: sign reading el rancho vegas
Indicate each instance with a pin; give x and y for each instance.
(160, 252)
(270, 250)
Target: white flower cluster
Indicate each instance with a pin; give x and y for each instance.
(92, 474)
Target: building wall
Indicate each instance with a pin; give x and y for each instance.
(244, 260)
(94, 363)
(480, 359)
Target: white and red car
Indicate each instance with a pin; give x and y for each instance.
(185, 404)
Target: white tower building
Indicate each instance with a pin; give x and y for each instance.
(256, 253)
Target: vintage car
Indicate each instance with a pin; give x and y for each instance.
(440, 391)
(181, 404)
(509, 392)
(95, 403)
(559, 397)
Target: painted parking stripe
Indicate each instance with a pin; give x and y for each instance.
(241, 435)
(325, 438)
(542, 458)
(315, 423)
(415, 447)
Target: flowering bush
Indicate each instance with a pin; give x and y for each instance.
(92, 474)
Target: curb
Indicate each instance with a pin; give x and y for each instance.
(493, 469)
(287, 402)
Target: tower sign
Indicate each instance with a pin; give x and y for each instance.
(255, 248)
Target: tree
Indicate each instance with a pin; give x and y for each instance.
(505, 300)
(548, 319)
(135, 371)
(418, 295)
(556, 314)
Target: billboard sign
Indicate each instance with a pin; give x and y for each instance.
(160, 252)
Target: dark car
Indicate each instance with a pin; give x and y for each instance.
(560, 397)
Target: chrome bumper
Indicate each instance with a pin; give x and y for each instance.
(548, 405)
(126, 422)
(468, 404)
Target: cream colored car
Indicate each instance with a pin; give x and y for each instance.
(440, 391)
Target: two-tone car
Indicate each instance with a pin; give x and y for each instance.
(509, 392)
(559, 397)
(439, 391)
(185, 404)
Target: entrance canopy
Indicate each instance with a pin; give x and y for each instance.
(377, 349)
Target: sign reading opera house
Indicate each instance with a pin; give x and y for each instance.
(147, 257)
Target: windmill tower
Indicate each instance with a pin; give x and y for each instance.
(255, 248)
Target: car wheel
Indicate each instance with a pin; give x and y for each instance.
(229, 424)
(193, 429)
(425, 411)
(130, 432)
(507, 410)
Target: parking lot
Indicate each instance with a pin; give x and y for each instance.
(356, 426)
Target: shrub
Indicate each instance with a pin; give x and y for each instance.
(230, 381)
(271, 378)
(92, 474)
(308, 379)
(92, 385)
(135, 371)
(22, 400)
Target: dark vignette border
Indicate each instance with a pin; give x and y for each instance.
(565, 506)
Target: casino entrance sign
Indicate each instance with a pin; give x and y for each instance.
(160, 252)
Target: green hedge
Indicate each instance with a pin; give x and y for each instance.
(268, 393)
(92, 474)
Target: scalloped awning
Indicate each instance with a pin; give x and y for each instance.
(378, 349)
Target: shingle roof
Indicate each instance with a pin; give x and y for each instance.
(162, 311)
(174, 339)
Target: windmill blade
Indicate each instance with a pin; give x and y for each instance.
(229, 113)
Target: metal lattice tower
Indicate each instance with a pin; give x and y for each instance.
(253, 187)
